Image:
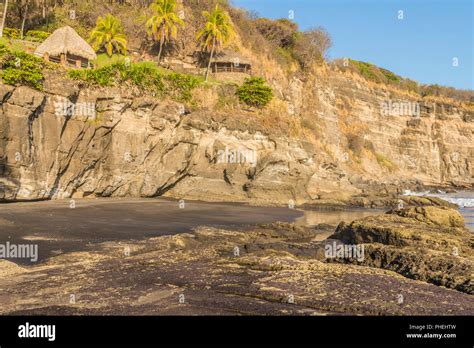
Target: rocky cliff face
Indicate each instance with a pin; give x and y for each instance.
(427, 140)
(142, 146)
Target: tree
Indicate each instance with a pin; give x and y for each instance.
(163, 24)
(311, 46)
(24, 5)
(281, 32)
(217, 32)
(2, 25)
(108, 34)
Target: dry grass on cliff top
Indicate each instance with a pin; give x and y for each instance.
(408, 94)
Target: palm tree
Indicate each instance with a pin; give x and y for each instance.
(163, 24)
(216, 33)
(24, 4)
(2, 25)
(108, 34)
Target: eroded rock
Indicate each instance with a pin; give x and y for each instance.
(428, 243)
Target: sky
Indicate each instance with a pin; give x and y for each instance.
(425, 45)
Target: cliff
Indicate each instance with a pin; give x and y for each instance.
(342, 138)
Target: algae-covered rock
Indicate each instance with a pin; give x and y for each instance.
(442, 216)
(425, 243)
(437, 228)
(426, 201)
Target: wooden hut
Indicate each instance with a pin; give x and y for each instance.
(229, 61)
(66, 47)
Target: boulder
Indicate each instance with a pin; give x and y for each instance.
(425, 243)
(441, 216)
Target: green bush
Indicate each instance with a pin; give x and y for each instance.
(146, 76)
(254, 92)
(3, 50)
(103, 77)
(180, 86)
(21, 68)
(11, 33)
(367, 70)
(37, 35)
(390, 76)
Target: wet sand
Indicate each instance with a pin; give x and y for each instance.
(57, 228)
(279, 270)
(175, 267)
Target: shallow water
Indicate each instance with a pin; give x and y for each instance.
(464, 199)
(315, 217)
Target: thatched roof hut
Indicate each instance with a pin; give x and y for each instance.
(65, 46)
(230, 61)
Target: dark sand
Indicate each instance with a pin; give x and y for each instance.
(57, 228)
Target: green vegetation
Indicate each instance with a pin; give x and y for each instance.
(380, 75)
(103, 59)
(390, 76)
(217, 32)
(279, 40)
(108, 34)
(181, 86)
(163, 24)
(103, 77)
(11, 33)
(146, 76)
(37, 35)
(367, 70)
(21, 68)
(254, 92)
(3, 50)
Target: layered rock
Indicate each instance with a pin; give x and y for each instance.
(138, 145)
(427, 243)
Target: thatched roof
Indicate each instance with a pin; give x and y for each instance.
(228, 56)
(65, 40)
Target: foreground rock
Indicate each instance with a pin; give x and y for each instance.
(425, 243)
(276, 269)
